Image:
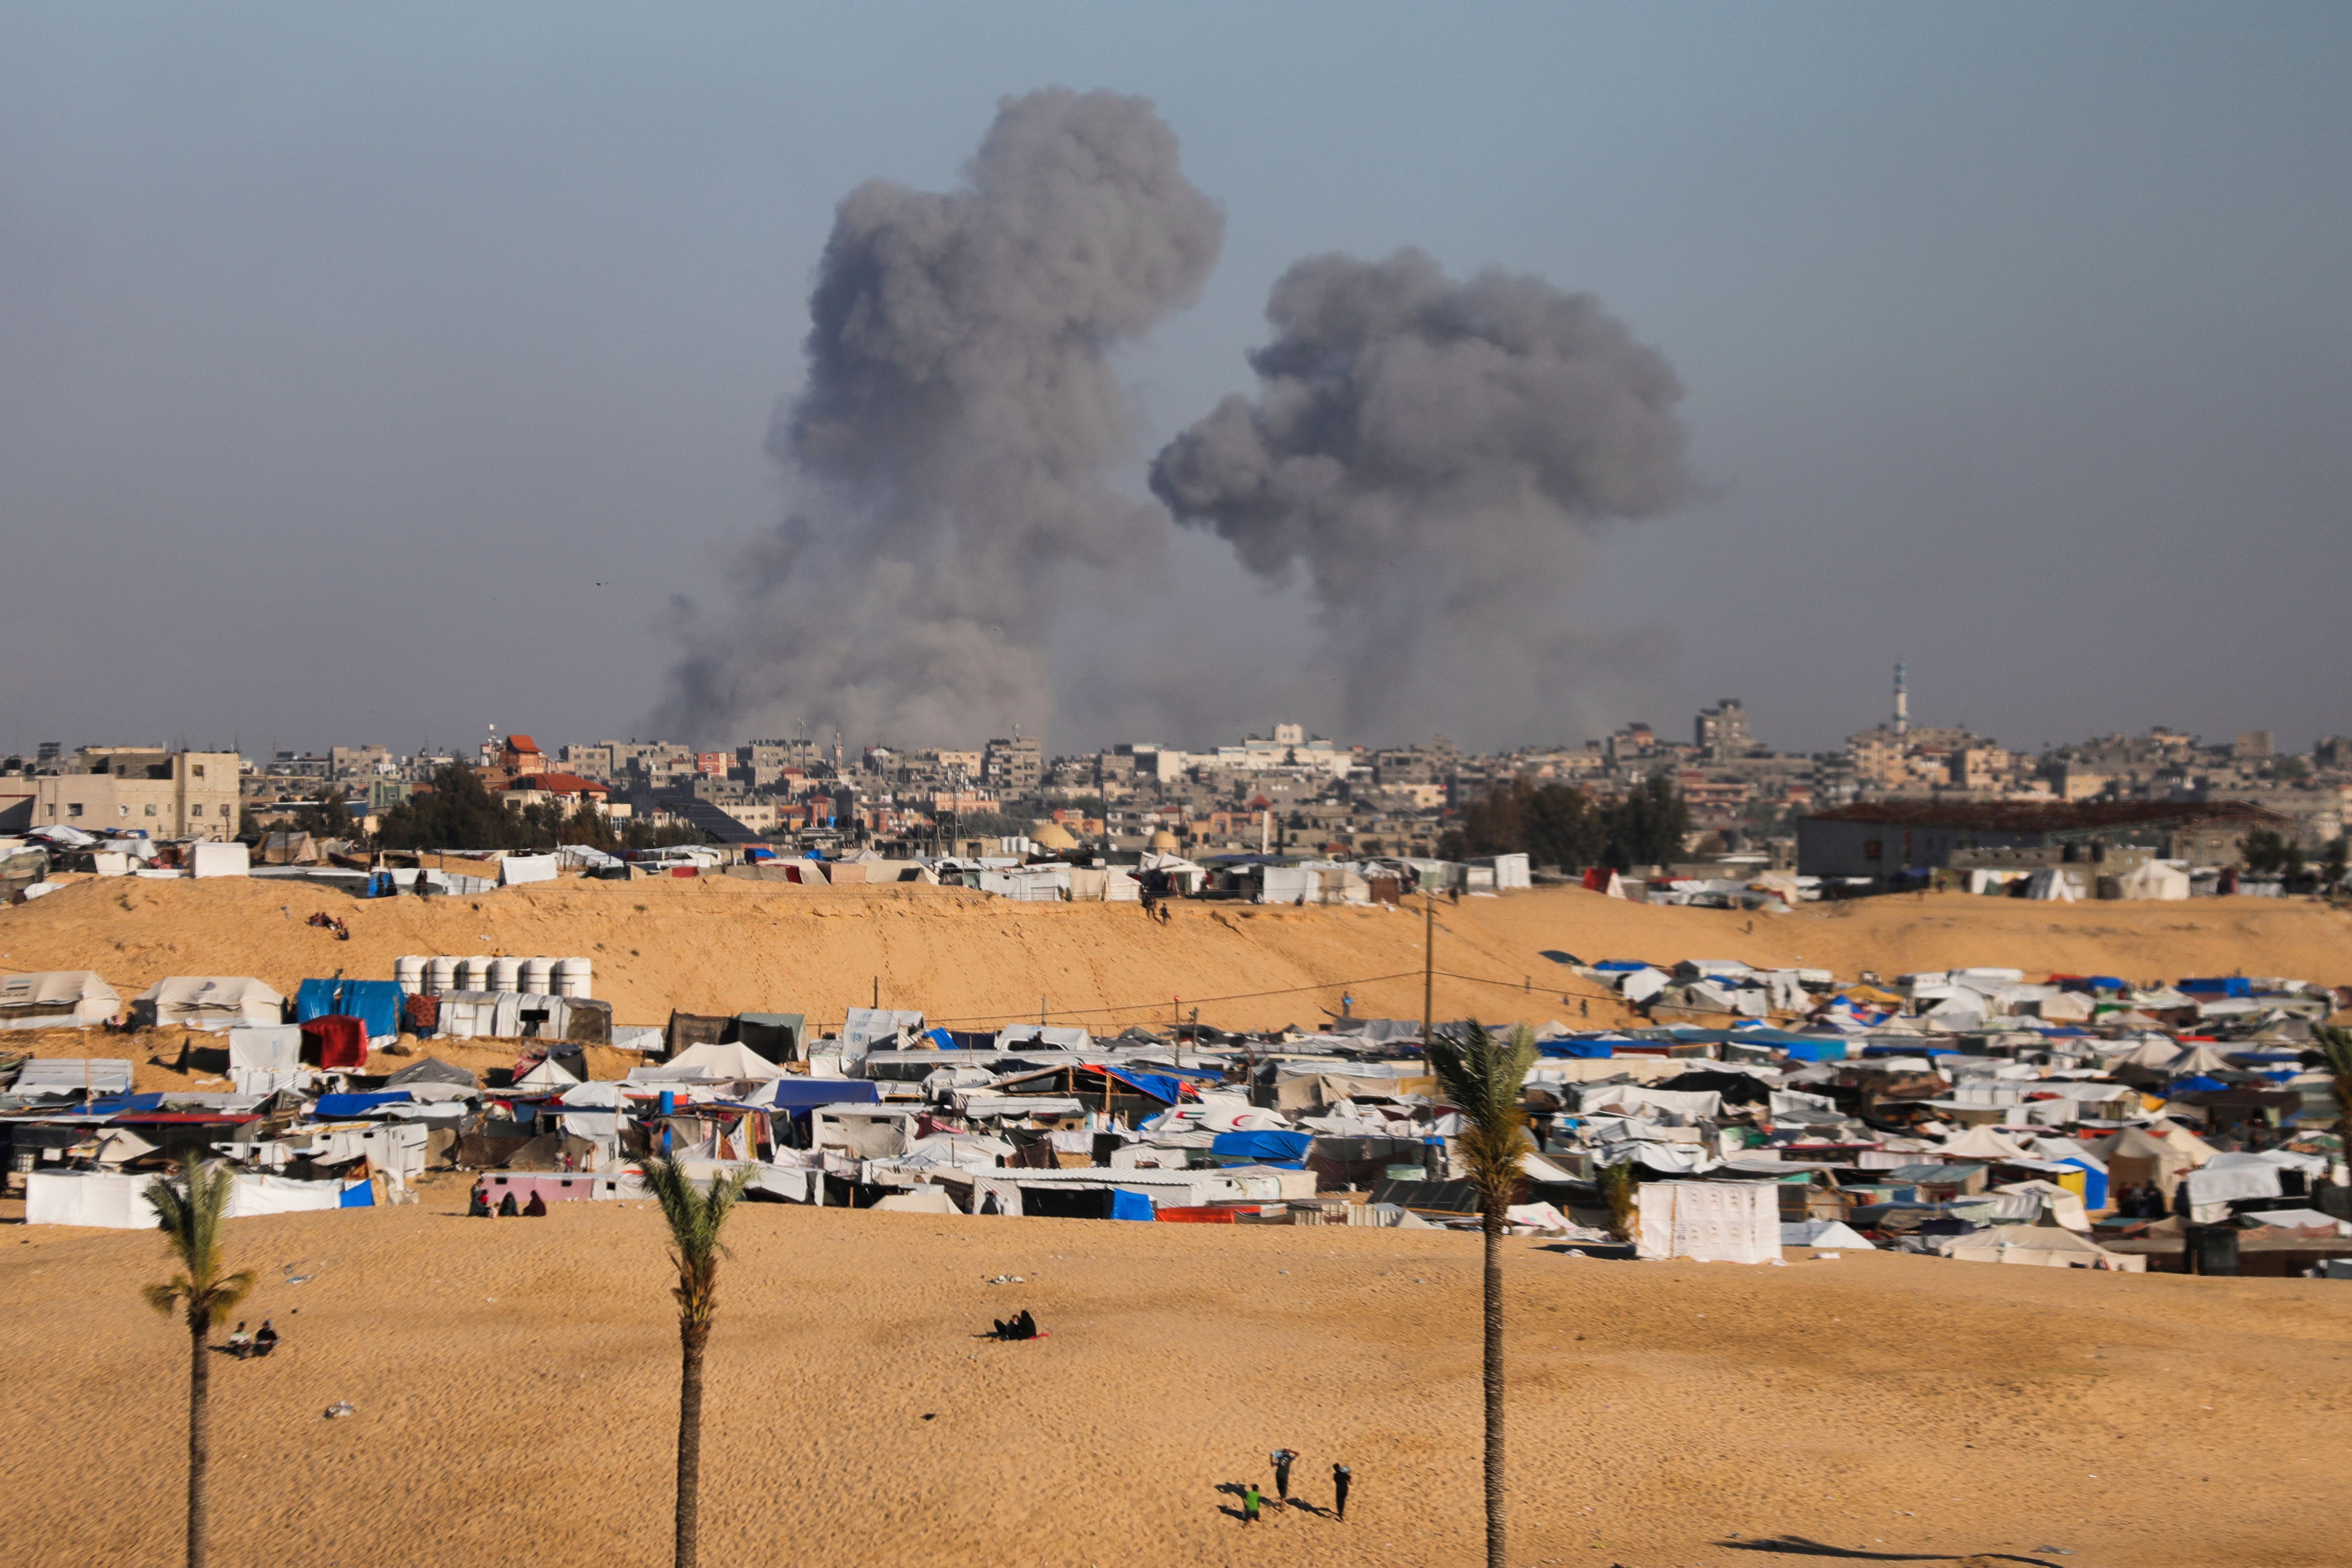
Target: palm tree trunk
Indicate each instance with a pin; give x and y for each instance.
(1493, 1380)
(199, 1436)
(692, 1338)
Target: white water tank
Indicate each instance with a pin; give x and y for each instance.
(506, 974)
(538, 977)
(440, 974)
(474, 973)
(572, 977)
(408, 972)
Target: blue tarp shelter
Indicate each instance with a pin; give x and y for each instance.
(2196, 1083)
(1816, 1050)
(1127, 1203)
(1273, 1147)
(1160, 1085)
(2095, 1182)
(798, 1094)
(374, 1003)
(359, 1195)
(334, 1106)
(2223, 985)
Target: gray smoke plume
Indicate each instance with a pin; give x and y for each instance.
(947, 459)
(1434, 455)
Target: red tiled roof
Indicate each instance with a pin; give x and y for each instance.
(559, 783)
(521, 744)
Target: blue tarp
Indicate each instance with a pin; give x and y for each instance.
(335, 1106)
(2094, 1184)
(2092, 983)
(940, 1038)
(124, 1104)
(1587, 1051)
(1906, 1051)
(796, 1093)
(1816, 1050)
(359, 1195)
(1266, 1146)
(1620, 966)
(374, 1003)
(2197, 1084)
(1127, 1203)
(1160, 1085)
(2227, 985)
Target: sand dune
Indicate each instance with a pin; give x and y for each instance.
(516, 1380)
(726, 945)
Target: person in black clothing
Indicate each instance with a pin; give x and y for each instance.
(508, 1207)
(265, 1340)
(1027, 1325)
(1281, 1460)
(478, 1204)
(1340, 1476)
(537, 1207)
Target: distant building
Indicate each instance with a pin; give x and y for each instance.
(1722, 730)
(1883, 839)
(133, 790)
(1016, 766)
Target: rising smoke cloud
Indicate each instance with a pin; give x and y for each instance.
(949, 460)
(1434, 457)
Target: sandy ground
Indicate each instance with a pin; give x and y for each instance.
(516, 1383)
(729, 945)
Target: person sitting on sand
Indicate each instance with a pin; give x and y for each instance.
(240, 1341)
(508, 1207)
(1027, 1325)
(478, 1204)
(537, 1207)
(267, 1340)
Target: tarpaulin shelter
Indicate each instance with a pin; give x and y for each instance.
(777, 1037)
(57, 998)
(374, 1003)
(72, 1075)
(335, 1042)
(1281, 1148)
(1712, 1221)
(207, 1002)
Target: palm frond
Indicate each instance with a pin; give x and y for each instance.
(2335, 1042)
(1482, 1077)
(168, 1295)
(190, 1208)
(696, 1216)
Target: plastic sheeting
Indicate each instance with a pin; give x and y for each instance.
(276, 1047)
(1710, 1222)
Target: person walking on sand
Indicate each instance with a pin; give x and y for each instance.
(1340, 1476)
(1281, 1460)
(1249, 1500)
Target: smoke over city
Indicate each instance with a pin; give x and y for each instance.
(1434, 458)
(948, 462)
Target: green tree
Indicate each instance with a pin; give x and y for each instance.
(2335, 1044)
(2263, 851)
(1648, 826)
(695, 1218)
(191, 1213)
(1622, 1194)
(1552, 824)
(1482, 1077)
(2333, 868)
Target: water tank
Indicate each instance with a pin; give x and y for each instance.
(409, 973)
(506, 974)
(440, 974)
(474, 973)
(538, 976)
(571, 977)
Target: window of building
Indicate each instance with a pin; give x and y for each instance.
(150, 811)
(197, 769)
(73, 809)
(122, 811)
(198, 809)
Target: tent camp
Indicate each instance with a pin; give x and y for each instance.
(113, 1201)
(207, 1002)
(710, 1063)
(1712, 1221)
(2155, 879)
(2137, 1157)
(56, 999)
(374, 1003)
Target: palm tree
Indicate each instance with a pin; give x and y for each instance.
(191, 1212)
(694, 1216)
(1482, 1076)
(2336, 1044)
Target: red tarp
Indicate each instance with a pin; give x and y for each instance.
(335, 1041)
(1196, 1216)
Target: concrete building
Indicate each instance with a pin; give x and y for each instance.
(130, 790)
(1016, 766)
(1883, 839)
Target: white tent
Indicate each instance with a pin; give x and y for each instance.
(2156, 879)
(1712, 1221)
(2046, 1245)
(113, 1201)
(209, 859)
(57, 998)
(1983, 1144)
(208, 1001)
(514, 869)
(71, 1075)
(1824, 1233)
(712, 1062)
(275, 1046)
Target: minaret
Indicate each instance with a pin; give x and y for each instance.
(1902, 701)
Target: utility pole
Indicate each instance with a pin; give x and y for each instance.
(1428, 962)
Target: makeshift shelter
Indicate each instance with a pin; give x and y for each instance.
(335, 1042)
(2052, 884)
(711, 1062)
(207, 1002)
(2043, 1245)
(776, 1036)
(56, 999)
(433, 1079)
(374, 1003)
(2138, 1158)
(2155, 879)
(1983, 1144)
(1712, 1221)
(72, 1075)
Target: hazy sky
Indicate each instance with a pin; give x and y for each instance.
(381, 374)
